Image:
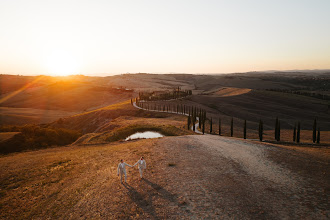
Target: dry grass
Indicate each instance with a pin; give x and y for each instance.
(121, 127)
(19, 116)
(66, 182)
(225, 92)
(7, 135)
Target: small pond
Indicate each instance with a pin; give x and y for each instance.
(142, 135)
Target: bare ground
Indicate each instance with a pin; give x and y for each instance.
(192, 176)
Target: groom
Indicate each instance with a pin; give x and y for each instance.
(122, 170)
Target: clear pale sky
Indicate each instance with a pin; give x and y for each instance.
(110, 37)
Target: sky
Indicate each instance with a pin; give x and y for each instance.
(104, 37)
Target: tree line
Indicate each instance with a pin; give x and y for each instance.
(162, 96)
(195, 114)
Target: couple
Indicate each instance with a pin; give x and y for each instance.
(122, 168)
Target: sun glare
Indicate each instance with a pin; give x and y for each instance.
(61, 63)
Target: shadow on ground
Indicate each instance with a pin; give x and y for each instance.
(145, 201)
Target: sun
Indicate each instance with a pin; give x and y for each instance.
(61, 63)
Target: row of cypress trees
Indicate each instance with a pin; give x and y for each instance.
(296, 130)
(193, 113)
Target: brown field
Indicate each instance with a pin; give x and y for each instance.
(228, 91)
(4, 136)
(40, 100)
(18, 116)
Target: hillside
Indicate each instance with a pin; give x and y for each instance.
(46, 99)
(234, 179)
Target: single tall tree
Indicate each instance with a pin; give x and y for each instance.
(298, 133)
(211, 126)
(189, 122)
(244, 130)
(261, 130)
(220, 126)
(279, 131)
(294, 132)
(232, 127)
(314, 131)
(318, 136)
(200, 119)
(203, 127)
(194, 122)
(276, 128)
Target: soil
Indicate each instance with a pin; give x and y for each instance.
(187, 177)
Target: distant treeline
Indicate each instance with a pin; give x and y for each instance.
(304, 93)
(36, 137)
(308, 82)
(112, 90)
(158, 96)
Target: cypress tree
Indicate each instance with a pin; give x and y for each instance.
(298, 133)
(232, 127)
(219, 126)
(314, 131)
(195, 113)
(189, 122)
(318, 136)
(294, 132)
(276, 128)
(244, 130)
(211, 126)
(261, 130)
(193, 125)
(279, 131)
(203, 127)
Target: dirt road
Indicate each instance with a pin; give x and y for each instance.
(187, 177)
(220, 177)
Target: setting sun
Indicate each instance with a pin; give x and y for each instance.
(61, 63)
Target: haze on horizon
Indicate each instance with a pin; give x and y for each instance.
(93, 37)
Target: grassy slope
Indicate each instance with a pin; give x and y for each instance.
(7, 135)
(57, 182)
(19, 116)
(81, 182)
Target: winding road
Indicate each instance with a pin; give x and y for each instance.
(221, 177)
(230, 178)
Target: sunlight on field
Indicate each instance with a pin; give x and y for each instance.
(21, 89)
(224, 92)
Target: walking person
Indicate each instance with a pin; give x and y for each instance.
(142, 165)
(122, 170)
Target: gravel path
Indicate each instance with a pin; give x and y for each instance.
(221, 177)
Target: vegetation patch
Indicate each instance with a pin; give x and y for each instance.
(36, 137)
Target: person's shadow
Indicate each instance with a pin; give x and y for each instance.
(161, 191)
(146, 203)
